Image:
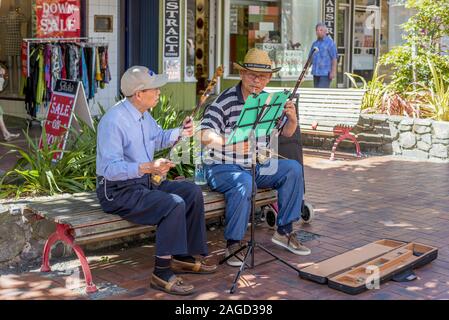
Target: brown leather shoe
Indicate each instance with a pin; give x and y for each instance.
(198, 267)
(174, 286)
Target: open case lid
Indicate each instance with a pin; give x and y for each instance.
(321, 271)
(383, 268)
(357, 270)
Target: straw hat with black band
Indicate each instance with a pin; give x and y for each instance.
(257, 60)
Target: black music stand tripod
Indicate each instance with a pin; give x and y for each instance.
(261, 118)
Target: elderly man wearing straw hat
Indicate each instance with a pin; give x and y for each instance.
(228, 167)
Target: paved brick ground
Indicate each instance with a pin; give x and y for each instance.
(356, 202)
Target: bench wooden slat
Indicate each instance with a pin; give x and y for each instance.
(96, 236)
(262, 198)
(328, 114)
(322, 104)
(90, 235)
(113, 235)
(92, 215)
(314, 91)
(322, 122)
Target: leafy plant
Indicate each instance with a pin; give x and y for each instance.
(438, 95)
(422, 34)
(35, 173)
(168, 117)
(375, 90)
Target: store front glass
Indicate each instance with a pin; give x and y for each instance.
(283, 28)
(366, 38)
(398, 15)
(15, 19)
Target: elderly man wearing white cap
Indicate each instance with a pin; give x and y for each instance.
(128, 136)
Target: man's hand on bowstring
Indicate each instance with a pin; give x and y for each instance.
(159, 167)
(290, 112)
(187, 128)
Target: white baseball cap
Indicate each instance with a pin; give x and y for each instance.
(139, 78)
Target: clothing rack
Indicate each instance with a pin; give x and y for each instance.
(95, 41)
(38, 88)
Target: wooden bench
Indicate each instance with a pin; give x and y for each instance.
(80, 220)
(329, 112)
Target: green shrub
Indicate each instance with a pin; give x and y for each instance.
(36, 174)
(423, 33)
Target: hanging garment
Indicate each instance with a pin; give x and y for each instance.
(90, 74)
(98, 75)
(63, 62)
(47, 71)
(31, 83)
(56, 65)
(74, 62)
(104, 65)
(84, 73)
(94, 72)
(40, 90)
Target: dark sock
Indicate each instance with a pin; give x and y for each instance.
(188, 259)
(231, 242)
(283, 230)
(162, 269)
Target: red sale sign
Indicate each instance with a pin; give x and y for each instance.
(58, 18)
(60, 112)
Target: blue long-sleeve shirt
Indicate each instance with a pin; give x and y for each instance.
(127, 138)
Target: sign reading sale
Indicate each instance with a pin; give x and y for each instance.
(68, 99)
(58, 18)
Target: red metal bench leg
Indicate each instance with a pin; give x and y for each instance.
(357, 145)
(63, 234)
(344, 133)
(46, 256)
(337, 142)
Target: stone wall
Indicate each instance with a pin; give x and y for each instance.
(22, 237)
(420, 139)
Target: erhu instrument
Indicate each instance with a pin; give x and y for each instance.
(158, 179)
(282, 121)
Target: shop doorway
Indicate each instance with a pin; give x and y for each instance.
(344, 28)
(366, 34)
(358, 39)
(140, 34)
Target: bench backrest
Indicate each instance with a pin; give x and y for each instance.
(328, 107)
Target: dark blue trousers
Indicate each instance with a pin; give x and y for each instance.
(321, 82)
(175, 207)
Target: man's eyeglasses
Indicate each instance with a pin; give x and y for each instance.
(253, 76)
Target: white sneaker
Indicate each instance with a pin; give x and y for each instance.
(235, 260)
(291, 243)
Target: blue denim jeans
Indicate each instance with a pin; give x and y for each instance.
(321, 81)
(236, 184)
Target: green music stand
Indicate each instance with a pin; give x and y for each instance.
(257, 119)
(262, 110)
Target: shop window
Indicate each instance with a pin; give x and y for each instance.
(283, 28)
(367, 2)
(366, 41)
(15, 19)
(398, 15)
